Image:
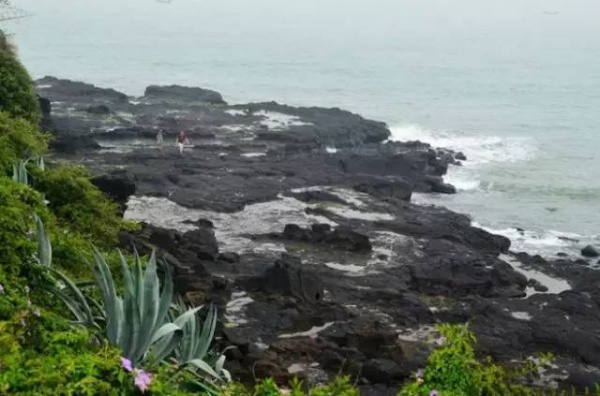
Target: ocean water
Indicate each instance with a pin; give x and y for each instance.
(515, 84)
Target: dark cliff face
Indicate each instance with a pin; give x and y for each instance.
(298, 223)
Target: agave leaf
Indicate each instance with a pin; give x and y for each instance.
(44, 245)
(41, 164)
(165, 298)
(131, 326)
(163, 348)
(164, 331)
(186, 316)
(207, 334)
(73, 306)
(190, 339)
(149, 304)
(86, 311)
(219, 363)
(112, 302)
(20, 173)
(137, 274)
(225, 373)
(205, 367)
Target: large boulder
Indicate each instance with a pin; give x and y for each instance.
(341, 238)
(178, 93)
(289, 278)
(455, 270)
(118, 187)
(73, 144)
(58, 90)
(590, 251)
(386, 187)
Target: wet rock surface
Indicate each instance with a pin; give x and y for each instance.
(298, 223)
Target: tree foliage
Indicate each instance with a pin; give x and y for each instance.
(17, 94)
(19, 139)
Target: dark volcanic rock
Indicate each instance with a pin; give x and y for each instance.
(202, 242)
(178, 93)
(386, 187)
(590, 251)
(57, 90)
(45, 106)
(118, 187)
(98, 110)
(288, 277)
(73, 144)
(437, 185)
(340, 238)
(460, 156)
(370, 286)
(229, 257)
(349, 240)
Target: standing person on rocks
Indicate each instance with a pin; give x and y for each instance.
(181, 141)
(160, 138)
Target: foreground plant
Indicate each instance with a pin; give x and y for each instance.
(139, 322)
(453, 370)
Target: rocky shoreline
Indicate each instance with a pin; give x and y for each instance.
(298, 224)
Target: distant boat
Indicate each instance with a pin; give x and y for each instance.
(550, 12)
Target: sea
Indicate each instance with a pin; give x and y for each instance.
(513, 84)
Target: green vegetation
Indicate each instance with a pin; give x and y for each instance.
(17, 95)
(19, 139)
(77, 204)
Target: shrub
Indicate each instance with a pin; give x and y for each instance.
(19, 139)
(66, 363)
(17, 95)
(78, 205)
(341, 386)
(18, 205)
(453, 370)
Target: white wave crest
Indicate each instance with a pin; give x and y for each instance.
(479, 149)
(546, 243)
(463, 179)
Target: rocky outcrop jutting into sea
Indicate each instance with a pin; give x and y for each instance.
(299, 224)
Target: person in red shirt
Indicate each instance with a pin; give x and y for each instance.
(181, 141)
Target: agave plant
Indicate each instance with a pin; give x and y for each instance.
(137, 322)
(192, 351)
(20, 173)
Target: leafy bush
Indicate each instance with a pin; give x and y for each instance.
(341, 386)
(19, 139)
(18, 205)
(17, 94)
(66, 363)
(453, 370)
(78, 205)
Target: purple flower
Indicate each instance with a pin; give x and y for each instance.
(440, 341)
(142, 380)
(419, 374)
(126, 364)
(433, 393)
(1, 289)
